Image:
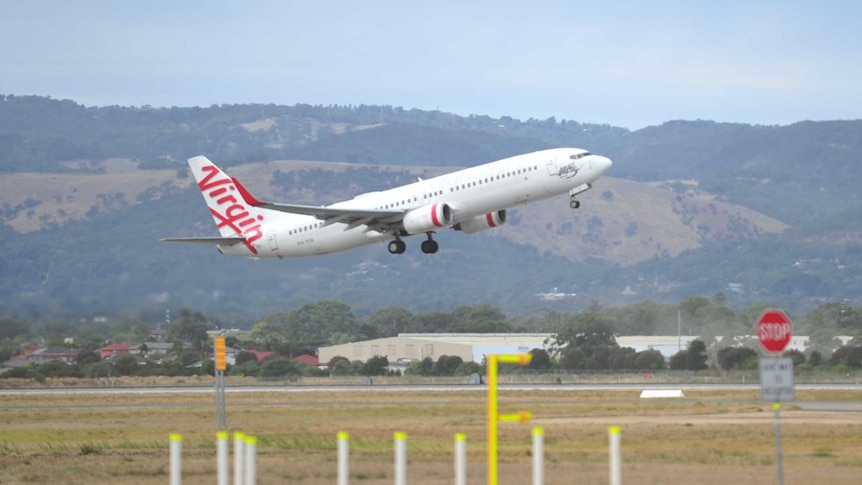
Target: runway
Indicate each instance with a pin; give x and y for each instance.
(292, 388)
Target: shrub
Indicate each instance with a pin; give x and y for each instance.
(273, 368)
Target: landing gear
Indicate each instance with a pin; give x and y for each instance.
(575, 203)
(430, 246)
(397, 246)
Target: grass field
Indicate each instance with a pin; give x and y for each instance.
(709, 437)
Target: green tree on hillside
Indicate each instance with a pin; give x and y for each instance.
(390, 321)
(314, 323)
(190, 327)
(479, 319)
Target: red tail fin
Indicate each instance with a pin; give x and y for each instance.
(246, 195)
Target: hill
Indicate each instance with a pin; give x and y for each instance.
(627, 222)
(691, 207)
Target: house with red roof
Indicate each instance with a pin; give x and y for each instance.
(262, 354)
(307, 359)
(114, 349)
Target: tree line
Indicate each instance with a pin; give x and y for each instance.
(581, 341)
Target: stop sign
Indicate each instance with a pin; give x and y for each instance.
(774, 330)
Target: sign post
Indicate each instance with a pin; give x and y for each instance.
(220, 367)
(774, 331)
(776, 379)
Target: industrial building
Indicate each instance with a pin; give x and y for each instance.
(410, 347)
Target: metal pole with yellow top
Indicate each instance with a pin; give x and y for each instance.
(493, 416)
(176, 473)
(220, 367)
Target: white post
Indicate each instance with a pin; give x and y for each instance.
(250, 460)
(238, 458)
(343, 458)
(460, 459)
(538, 456)
(176, 459)
(616, 460)
(400, 458)
(221, 457)
(777, 408)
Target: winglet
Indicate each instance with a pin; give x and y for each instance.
(246, 195)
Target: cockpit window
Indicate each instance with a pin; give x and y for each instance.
(579, 155)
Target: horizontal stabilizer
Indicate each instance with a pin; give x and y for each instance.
(211, 241)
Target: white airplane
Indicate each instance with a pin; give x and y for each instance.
(469, 200)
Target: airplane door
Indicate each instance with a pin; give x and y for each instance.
(553, 167)
(272, 240)
(553, 178)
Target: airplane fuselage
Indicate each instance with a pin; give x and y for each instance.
(472, 195)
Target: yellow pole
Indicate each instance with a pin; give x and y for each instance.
(493, 415)
(491, 368)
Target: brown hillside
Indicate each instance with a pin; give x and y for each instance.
(628, 222)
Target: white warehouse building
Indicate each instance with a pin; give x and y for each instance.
(418, 346)
(474, 346)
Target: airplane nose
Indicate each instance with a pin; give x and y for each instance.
(602, 163)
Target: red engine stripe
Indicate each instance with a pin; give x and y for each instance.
(490, 217)
(434, 218)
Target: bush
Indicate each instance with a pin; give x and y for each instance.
(127, 365)
(341, 367)
(308, 370)
(541, 360)
(848, 356)
(375, 366)
(573, 358)
(446, 365)
(207, 368)
(736, 358)
(245, 356)
(18, 373)
(425, 367)
(274, 368)
(468, 368)
(678, 360)
(245, 369)
(149, 370)
(649, 360)
(98, 369)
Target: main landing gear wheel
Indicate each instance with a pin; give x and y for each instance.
(397, 246)
(575, 204)
(430, 246)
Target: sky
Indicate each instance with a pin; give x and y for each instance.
(629, 64)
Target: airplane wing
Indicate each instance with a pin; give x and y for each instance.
(375, 220)
(222, 241)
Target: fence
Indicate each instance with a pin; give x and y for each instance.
(245, 458)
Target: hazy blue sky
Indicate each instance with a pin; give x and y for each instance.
(628, 64)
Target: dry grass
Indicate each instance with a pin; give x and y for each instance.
(706, 438)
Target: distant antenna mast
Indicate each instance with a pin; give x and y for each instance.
(167, 317)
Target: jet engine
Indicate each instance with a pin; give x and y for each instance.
(427, 218)
(481, 223)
